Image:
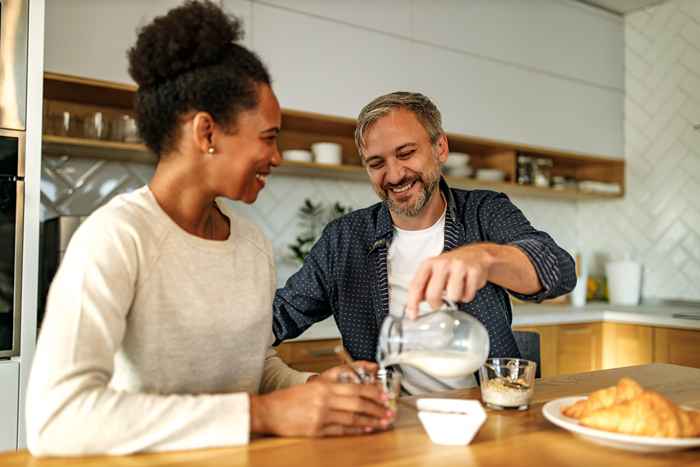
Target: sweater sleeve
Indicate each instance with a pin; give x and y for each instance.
(71, 408)
(276, 373)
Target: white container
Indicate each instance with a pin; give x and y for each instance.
(451, 421)
(456, 160)
(578, 295)
(296, 155)
(624, 282)
(327, 153)
(490, 175)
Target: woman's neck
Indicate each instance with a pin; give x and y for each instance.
(181, 192)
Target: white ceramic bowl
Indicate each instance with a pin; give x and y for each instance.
(490, 175)
(456, 159)
(327, 153)
(297, 155)
(451, 421)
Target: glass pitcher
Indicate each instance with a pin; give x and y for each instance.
(445, 344)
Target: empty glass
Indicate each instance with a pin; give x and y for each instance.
(95, 126)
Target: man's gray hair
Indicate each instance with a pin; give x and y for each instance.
(423, 108)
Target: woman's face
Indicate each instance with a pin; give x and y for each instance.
(243, 159)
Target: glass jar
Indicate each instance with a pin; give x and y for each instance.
(542, 172)
(524, 170)
(445, 344)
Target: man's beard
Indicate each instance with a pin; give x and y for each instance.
(429, 180)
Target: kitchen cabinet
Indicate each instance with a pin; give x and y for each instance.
(549, 341)
(678, 346)
(568, 348)
(626, 345)
(301, 129)
(314, 355)
(9, 394)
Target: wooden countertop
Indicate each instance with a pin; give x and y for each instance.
(507, 438)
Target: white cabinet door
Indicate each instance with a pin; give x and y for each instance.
(558, 37)
(90, 39)
(9, 384)
(327, 67)
(388, 16)
(495, 100)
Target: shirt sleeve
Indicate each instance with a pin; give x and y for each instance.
(71, 409)
(304, 299)
(505, 224)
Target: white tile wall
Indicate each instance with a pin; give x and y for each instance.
(658, 221)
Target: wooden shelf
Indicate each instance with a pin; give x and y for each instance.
(301, 129)
(85, 148)
(96, 149)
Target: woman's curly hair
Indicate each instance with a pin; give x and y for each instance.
(188, 60)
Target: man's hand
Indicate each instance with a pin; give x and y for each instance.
(459, 274)
(456, 275)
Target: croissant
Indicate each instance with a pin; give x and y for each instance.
(648, 414)
(625, 389)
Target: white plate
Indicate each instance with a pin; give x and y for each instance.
(552, 412)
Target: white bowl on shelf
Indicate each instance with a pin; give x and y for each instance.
(456, 160)
(465, 171)
(452, 422)
(327, 153)
(490, 175)
(297, 155)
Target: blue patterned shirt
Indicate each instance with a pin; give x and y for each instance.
(345, 274)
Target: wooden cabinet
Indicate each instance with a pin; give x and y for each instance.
(578, 348)
(626, 345)
(678, 346)
(575, 348)
(316, 355)
(301, 129)
(548, 347)
(568, 348)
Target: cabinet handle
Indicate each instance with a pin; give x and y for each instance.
(321, 353)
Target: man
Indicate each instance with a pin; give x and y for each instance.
(424, 241)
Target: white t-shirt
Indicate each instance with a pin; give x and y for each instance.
(153, 337)
(409, 248)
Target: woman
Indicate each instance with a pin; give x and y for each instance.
(158, 327)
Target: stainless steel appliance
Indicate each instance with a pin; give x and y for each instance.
(53, 240)
(13, 112)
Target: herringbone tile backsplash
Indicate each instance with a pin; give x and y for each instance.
(658, 221)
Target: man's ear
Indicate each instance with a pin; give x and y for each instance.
(203, 131)
(442, 148)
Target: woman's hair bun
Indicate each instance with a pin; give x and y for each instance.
(193, 35)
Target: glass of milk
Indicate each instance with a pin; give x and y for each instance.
(447, 344)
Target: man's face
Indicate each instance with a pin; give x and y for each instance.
(403, 165)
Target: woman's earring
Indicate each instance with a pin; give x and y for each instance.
(210, 150)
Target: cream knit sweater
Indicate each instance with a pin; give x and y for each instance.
(153, 337)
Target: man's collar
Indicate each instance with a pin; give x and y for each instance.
(385, 225)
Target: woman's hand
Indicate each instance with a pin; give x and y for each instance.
(321, 408)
